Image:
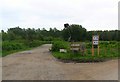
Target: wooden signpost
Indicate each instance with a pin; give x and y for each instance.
(95, 43)
(77, 47)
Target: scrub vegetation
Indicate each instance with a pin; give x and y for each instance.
(19, 39)
(108, 50)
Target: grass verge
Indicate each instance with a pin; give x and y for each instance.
(70, 57)
(14, 46)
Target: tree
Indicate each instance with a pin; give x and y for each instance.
(75, 32)
(72, 32)
(30, 34)
(4, 35)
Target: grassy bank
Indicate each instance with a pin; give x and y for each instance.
(108, 50)
(9, 47)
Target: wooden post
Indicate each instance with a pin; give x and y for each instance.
(92, 50)
(92, 47)
(98, 46)
(98, 51)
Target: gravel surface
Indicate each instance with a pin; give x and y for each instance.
(39, 64)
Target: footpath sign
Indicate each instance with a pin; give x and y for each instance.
(95, 40)
(95, 43)
(77, 47)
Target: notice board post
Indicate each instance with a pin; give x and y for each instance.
(95, 43)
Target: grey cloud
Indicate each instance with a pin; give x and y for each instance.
(92, 14)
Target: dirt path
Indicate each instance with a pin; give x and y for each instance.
(39, 64)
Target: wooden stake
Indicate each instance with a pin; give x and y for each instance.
(92, 50)
(98, 51)
(92, 47)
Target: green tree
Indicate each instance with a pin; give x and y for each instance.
(75, 32)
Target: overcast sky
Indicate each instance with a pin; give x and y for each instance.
(91, 14)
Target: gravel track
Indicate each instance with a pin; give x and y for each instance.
(39, 64)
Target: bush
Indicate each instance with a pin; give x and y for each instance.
(60, 45)
(89, 45)
(7, 46)
(48, 38)
(34, 43)
(14, 46)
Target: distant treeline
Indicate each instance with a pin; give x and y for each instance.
(77, 33)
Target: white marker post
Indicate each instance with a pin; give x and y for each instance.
(95, 43)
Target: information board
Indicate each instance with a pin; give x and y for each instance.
(95, 40)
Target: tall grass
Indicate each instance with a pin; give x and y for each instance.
(14, 46)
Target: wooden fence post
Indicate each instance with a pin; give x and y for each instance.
(92, 50)
(98, 51)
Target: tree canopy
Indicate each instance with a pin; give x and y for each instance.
(72, 32)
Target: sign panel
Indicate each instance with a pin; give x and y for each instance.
(77, 49)
(95, 37)
(75, 46)
(95, 42)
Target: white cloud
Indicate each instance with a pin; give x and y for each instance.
(92, 14)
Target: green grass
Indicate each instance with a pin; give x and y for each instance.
(9, 47)
(108, 50)
(77, 57)
(60, 44)
(5, 53)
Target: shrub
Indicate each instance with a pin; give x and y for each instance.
(34, 43)
(60, 44)
(7, 46)
(14, 46)
(89, 45)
